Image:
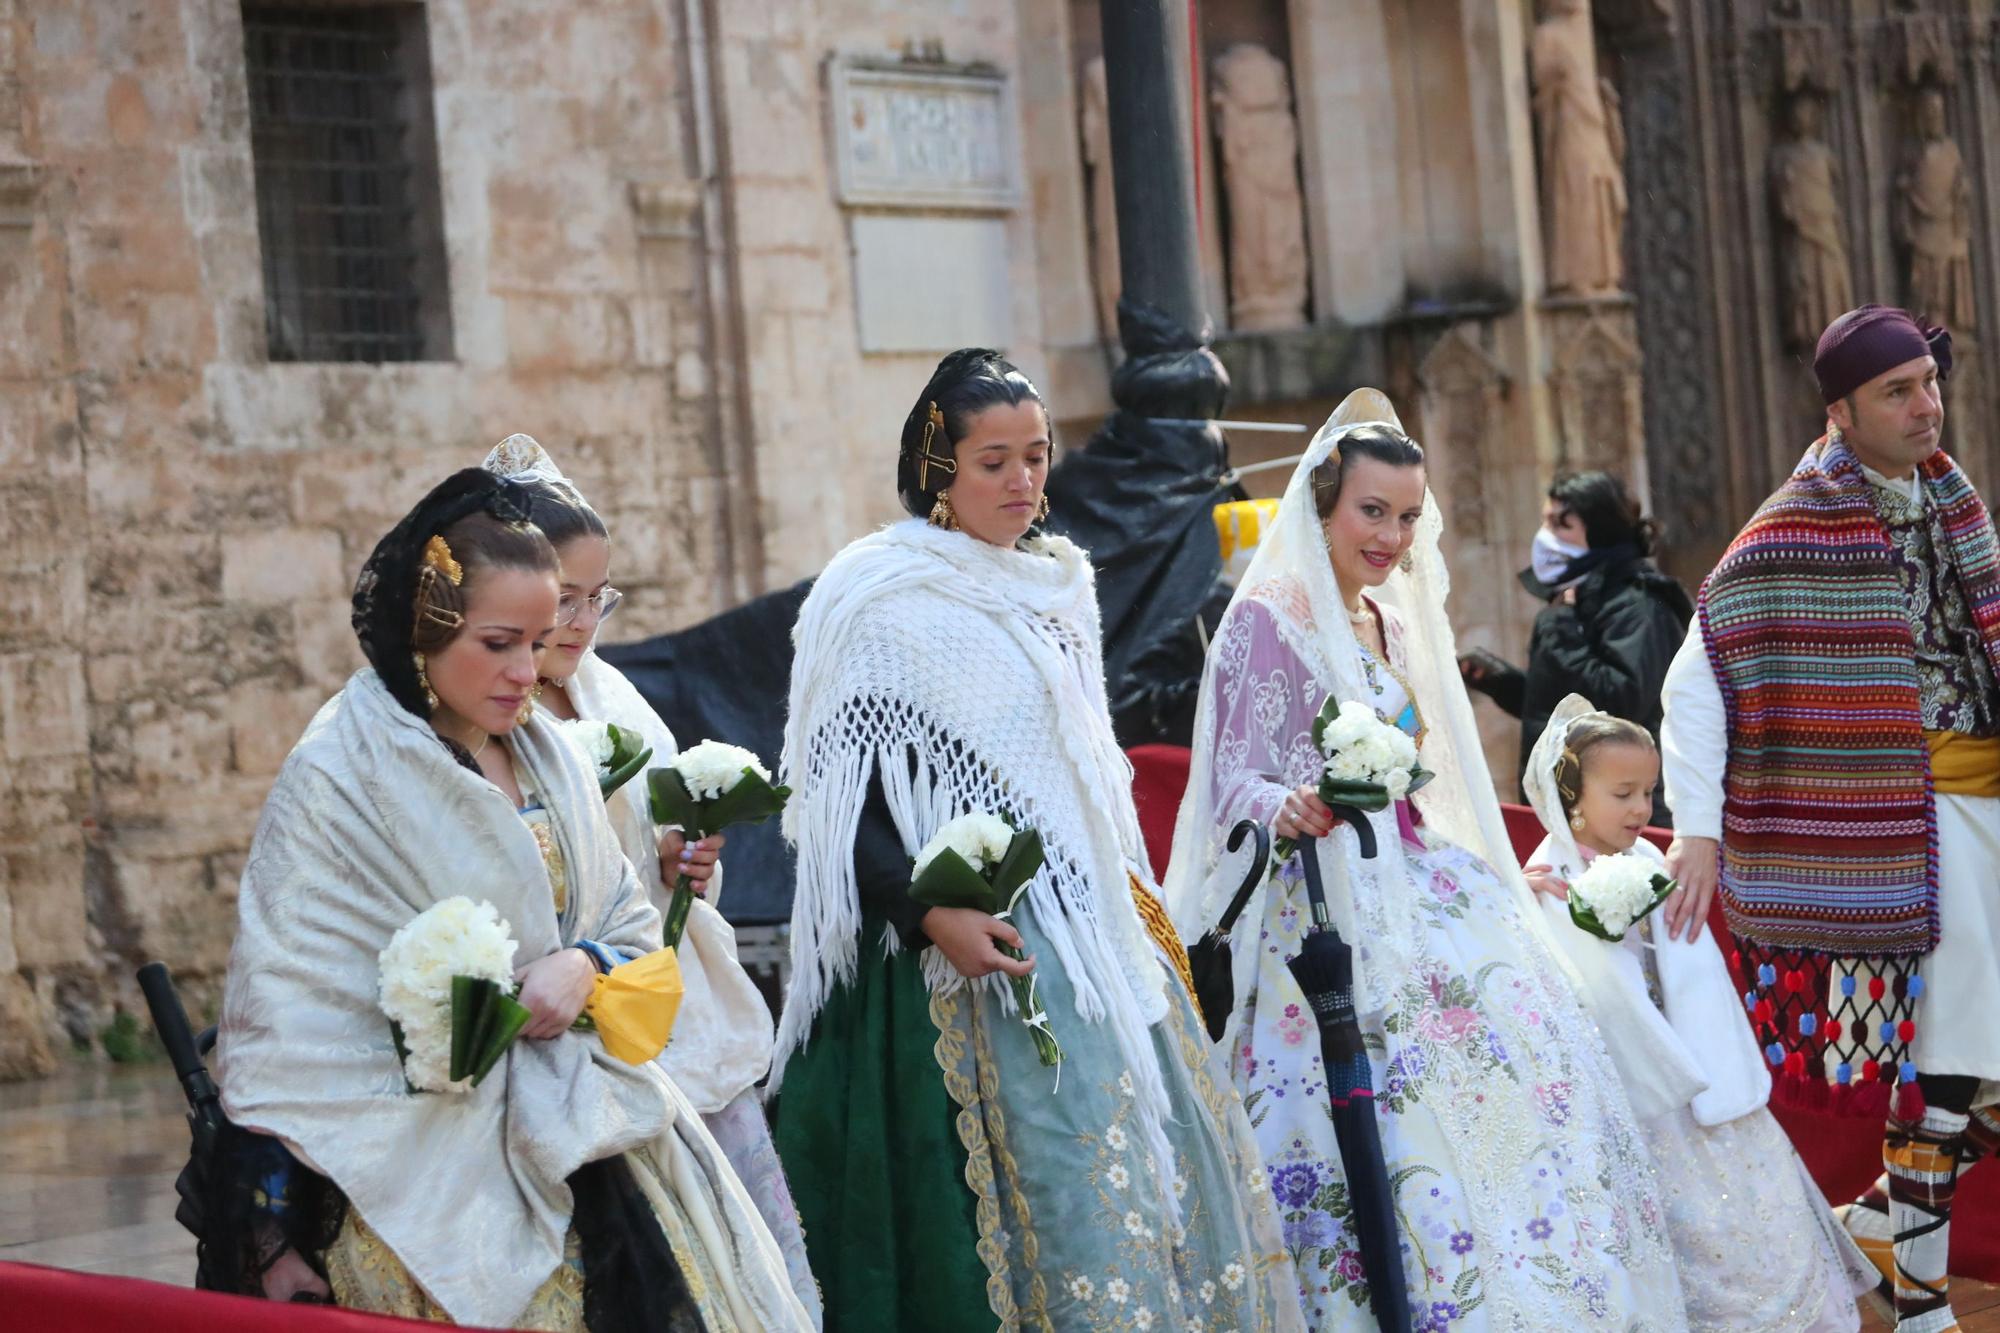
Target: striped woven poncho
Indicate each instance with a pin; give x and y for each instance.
(1829, 847)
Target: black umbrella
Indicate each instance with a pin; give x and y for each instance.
(1208, 957)
(205, 1119)
(1324, 970)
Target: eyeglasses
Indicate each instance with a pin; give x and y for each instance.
(601, 603)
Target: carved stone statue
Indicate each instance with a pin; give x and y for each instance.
(1583, 171)
(1260, 178)
(1934, 220)
(1812, 240)
(1096, 127)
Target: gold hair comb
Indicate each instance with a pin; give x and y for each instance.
(437, 554)
(926, 460)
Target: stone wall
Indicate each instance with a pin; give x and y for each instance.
(180, 520)
(826, 417)
(649, 270)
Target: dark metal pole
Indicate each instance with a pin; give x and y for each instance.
(1145, 76)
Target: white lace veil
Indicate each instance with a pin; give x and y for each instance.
(520, 458)
(1540, 781)
(1292, 577)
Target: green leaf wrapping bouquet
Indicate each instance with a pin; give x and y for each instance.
(1614, 893)
(618, 752)
(447, 986)
(1370, 764)
(704, 789)
(983, 862)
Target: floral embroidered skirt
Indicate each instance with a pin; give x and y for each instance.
(743, 1134)
(941, 1170)
(1523, 1188)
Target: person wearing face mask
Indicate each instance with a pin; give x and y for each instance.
(1612, 620)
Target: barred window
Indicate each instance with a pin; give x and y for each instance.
(348, 209)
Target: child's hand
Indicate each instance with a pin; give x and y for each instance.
(1543, 879)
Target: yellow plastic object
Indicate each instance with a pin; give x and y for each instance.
(635, 1004)
(1239, 524)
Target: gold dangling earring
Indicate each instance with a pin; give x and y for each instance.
(1407, 563)
(424, 682)
(942, 514)
(1576, 822)
(528, 705)
(1042, 509)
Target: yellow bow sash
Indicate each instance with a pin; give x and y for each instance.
(635, 1004)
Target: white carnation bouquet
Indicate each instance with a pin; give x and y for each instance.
(1370, 764)
(617, 752)
(1615, 892)
(447, 985)
(983, 862)
(703, 790)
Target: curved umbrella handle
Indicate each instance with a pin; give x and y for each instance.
(1246, 828)
(1364, 832)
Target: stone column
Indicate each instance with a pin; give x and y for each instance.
(1348, 154)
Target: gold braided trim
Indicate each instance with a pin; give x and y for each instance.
(1154, 913)
(950, 1051)
(1037, 1314)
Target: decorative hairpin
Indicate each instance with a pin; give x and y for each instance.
(926, 460)
(510, 504)
(437, 555)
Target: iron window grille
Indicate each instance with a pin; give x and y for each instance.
(348, 210)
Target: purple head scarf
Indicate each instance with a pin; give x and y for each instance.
(1865, 342)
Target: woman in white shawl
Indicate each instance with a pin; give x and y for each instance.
(949, 1179)
(569, 1190)
(721, 1044)
(1521, 1184)
(1760, 1250)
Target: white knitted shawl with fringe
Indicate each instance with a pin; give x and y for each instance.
(985, 664)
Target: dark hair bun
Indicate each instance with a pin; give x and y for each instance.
(965, 383)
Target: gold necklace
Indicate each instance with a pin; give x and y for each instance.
(484, 741)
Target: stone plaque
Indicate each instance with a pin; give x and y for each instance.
(929, 284)
(916, 138)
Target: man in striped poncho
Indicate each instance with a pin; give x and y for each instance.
(1832, 756)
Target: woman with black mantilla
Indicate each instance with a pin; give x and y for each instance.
(569, 1190)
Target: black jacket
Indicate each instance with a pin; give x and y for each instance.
(1612, 647)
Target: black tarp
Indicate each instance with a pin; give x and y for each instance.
(1139, 497)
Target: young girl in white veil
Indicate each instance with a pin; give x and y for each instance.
(1761, 1250)
(1522, 1187)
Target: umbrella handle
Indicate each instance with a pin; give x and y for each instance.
(1364, 832)
(1246, 828)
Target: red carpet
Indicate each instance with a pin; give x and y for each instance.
(55, 1300)
(1843, 1155)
